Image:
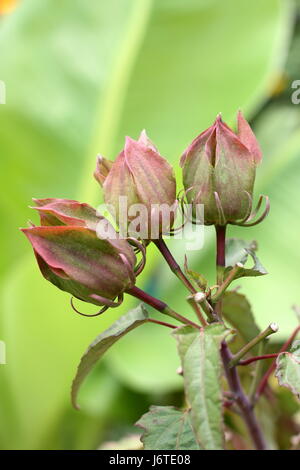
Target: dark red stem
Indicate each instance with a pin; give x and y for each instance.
(174, 266)
(245, 362)
(231, 373)
(159, 305)
(241, 399)
(147, 298)
(221, 240)
(151, 320)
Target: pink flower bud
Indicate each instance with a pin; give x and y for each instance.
(141, 175)
(219, 171)
(73, 257)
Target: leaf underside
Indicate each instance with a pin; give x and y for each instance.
(103, 342)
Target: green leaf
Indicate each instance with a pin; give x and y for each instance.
(195, 277)
(201, 364)
(166, 428)
(288, 369)
(238, 251)
(103, 342)
(237, 311)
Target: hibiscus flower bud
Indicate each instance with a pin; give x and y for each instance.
(72, 256)
(219, 171)
(139, 175)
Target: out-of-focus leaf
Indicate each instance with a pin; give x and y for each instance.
(166, 428)
(238, 251)
(201, 363)
(288, 369)
(130, 442)
(267, 417)
(96, 71)
(237, 311)
(103, 342)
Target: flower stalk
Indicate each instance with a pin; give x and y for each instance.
(160, 306)
(231, 372)
(176, 269)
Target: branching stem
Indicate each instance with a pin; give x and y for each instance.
(176, 269)
(246, 362)
(231, 373)
(241, 399)
(272, 328)
(159, 305)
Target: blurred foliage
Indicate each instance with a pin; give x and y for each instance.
(79, 77)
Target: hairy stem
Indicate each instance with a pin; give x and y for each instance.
(231, 373)
(159, 305)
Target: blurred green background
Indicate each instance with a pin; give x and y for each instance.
(80, 76)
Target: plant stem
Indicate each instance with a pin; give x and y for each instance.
(157, 322)
(272, 328)
(220, 252)
(241, 399)
(264, 380)
(246, 362)
(221, 289)
(175, 268)
(220, 261)
(258, 369)
(159, 305)
(231, 372)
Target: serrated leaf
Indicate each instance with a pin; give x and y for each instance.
(237, 311)
(103, 342)
(238, 251)
(201, 364)
(166, 428)
(288, 369)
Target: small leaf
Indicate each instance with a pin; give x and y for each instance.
(238, 251)
(237, 311)
(103, 342)
(166, 428)
(201, 364)
(288, 369)
(195, 277)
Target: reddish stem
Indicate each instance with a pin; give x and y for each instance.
(264, 380)
(174, 266)
(151, 320)
(148, 299)
(245, 362)
(231, 372)
(221, 240)
(159, 305)
(241, 399)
